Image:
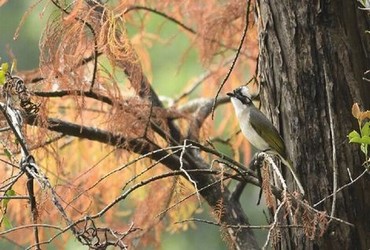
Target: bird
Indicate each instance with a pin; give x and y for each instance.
(259, 130)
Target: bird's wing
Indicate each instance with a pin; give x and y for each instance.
(266, 130)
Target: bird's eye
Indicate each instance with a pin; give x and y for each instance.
(243, 95)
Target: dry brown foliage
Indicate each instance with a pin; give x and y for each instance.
(87, 175)
(266, 187)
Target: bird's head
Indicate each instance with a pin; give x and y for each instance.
(242, 94)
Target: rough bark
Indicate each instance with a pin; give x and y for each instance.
(312, 58)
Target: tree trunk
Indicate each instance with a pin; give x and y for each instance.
(313, 55)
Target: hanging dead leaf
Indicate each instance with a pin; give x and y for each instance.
(356, 110)
(364, 115)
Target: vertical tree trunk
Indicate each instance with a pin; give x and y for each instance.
(312, 58)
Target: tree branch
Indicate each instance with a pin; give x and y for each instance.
(61, 93)
(213, 195)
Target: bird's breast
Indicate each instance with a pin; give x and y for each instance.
(249, 132)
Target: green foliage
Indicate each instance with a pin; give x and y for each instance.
(6, 222)
(363, 136)
(4, 205)
(5, 201)
(7, 153)
(3, 69)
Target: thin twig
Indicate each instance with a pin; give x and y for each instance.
(12, 180)
(194, 85)
(349, 174)
(29, 166)
(31, 192)
(50, 141)
(150, 167)
(129, 191)
(18, 197)
(96, 52)
(329, 95)
(5, 129)
(52, 238)
(133, 188)
(174, 20)
(222, 156)
(29, 226)
(185, 171)
(9, 163)
(14, 121)
(192, 194)
(10, 116)
(235, 59)
(273, 225)
(148, 122)
(236, 226)
(276, 170)
(61, 93)
(341, 188)
(199, 81)
(129, 164)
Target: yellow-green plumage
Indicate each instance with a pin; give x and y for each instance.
(259, 130)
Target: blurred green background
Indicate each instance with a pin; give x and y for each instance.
(168, 67)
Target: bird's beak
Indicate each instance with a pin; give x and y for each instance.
(230, 94)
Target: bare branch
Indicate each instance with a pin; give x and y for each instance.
(61, 93)
(185, 171)
(182, 25)
(235, 59)
(341, 188)
(329, 94)
(274, 225)
(30, 226)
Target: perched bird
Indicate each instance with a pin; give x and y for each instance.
(259, 130)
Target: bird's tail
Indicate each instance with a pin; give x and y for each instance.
(289, 164)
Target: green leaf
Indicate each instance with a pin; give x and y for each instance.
(356, 140)
(7, 153)
(8, 193)
(354, 137)
(365, 139)
(4, 67)
(365, 130)
(2, 77)
(353, 134)
(7, 223)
